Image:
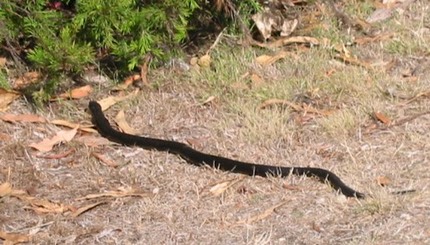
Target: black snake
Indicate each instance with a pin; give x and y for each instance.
(199, 158)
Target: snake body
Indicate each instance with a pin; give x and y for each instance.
(199, 158)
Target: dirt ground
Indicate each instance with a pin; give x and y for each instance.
(177, 203)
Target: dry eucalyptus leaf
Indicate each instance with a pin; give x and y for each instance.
(61, 136)
(353, 61)
(85, 128)
(4, 137)
(27, 79)
(383, 180)
(40, 205)
(84, 209)
(77, 93)
(123, 192)
(112, 100)
(122, 123)
(266, 213)
(13, 238)
(5, 189)
(209, 100)
(221, 187)
(382, 117)
(44, 206)
(31, 118)
(6, 97)
(256, 81)
(2, 62)
(105, 160)
(93, 141)
(127, 82)
(290, 40)
(266, 60)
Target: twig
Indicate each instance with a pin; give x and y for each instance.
(218, 38)
(400, 121)
(408, 119)
(419, 95)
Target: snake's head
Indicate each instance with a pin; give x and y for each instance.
(95, 111)
(94, 106)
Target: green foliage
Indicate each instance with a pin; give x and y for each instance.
(62, 39)
(247, 8)
(3, 80)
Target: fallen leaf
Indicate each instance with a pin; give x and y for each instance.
(288, 40)
(5, 189)
(84, 209)
(40, 205)
(122, 123)
(31, 118)
(353, 61)
(124, 192)
(61, 136)
(77, 93)
(209, 100)
(266, 60)
(194, 61)
(25, 80)
(377, 38)
(195, 142)
(256, 81)
(127, 82)
(112, 100)
(44, 206)
(92, 141)
(382, 118)
(383, 180)
(6, 97)
(13, 238)
(105, 160)
(85, 128)
(330, 72)
(296, 107)
(59, 155)
(262, 215)
(220, 188)
(419, 95)
(4, 137)
(271, 102)
(2, 62)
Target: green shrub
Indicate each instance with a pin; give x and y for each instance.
(61, 40)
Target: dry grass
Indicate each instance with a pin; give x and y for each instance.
(181, 208)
